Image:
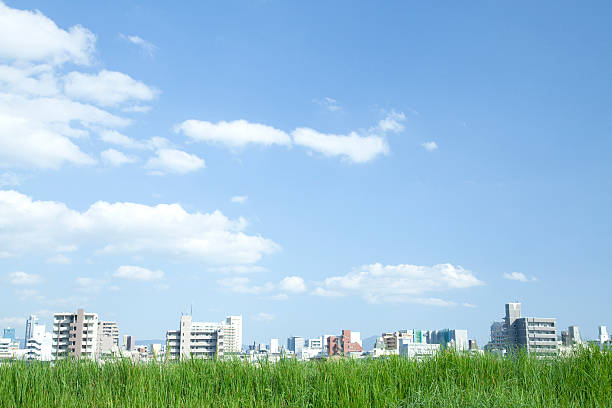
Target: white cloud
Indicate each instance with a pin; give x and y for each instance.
(174, 161)
(137, 273)
(237, 133)
(241, 284)
(352, 147)
(239, 199)
(24, 143)
(59, 259)
(378, 283)
(31, 36)
(22, 278)
(263, 317)
(114, 137)
(293, 284)
(35, 80)
(28, 226)
(144, 45)
(518, 276)
(392, 122)
(107, 88)
(114, 157)
(430, 146)
(328, 103)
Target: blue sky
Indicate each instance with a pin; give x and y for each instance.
(348, 165)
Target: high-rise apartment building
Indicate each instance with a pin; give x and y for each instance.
(498, 339)
(75, 334)
(109, 329)
(532, 334)
(205, 340)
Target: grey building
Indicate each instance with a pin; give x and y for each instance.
(449, 338)
(533, 334)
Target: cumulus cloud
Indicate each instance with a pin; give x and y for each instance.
(238, 269)
(237, 133)
(279, 291)
(22, 278)
(293, 284)
(519, 276)
(107, 88)
(28, 226)
(137, 273)
(31, 36)
(174, 161)
(351, 147)
(392, 122)
(144, 45)
(116, 138)
(378, 283)
(430, 146)
(114, 157)
(239, 199)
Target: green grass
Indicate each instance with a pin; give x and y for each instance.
(448, 380)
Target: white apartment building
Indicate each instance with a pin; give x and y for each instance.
(108, 338)
(205, 340)
(38, 346)
(75, 334)
(603, 334)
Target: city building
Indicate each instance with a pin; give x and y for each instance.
(205, 340)
(449, 338)
(38, 345)
(129, 342)
(347, 344)
(108, 338)
(5, 348)
(391, 341)
(9, 333)
(417, 350)
(532, 334)
(295, 344)
(274, 346)
(497, 344)
(603, 335)
(75, 334)
(30, 323)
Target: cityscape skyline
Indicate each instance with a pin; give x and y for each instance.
(312, 167)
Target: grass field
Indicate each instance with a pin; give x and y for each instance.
(448, 380)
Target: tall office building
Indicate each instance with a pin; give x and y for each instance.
(295, 344)
(205, 340)
(30, 323)
(498, 339)
(533, 334)
(75, 334)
